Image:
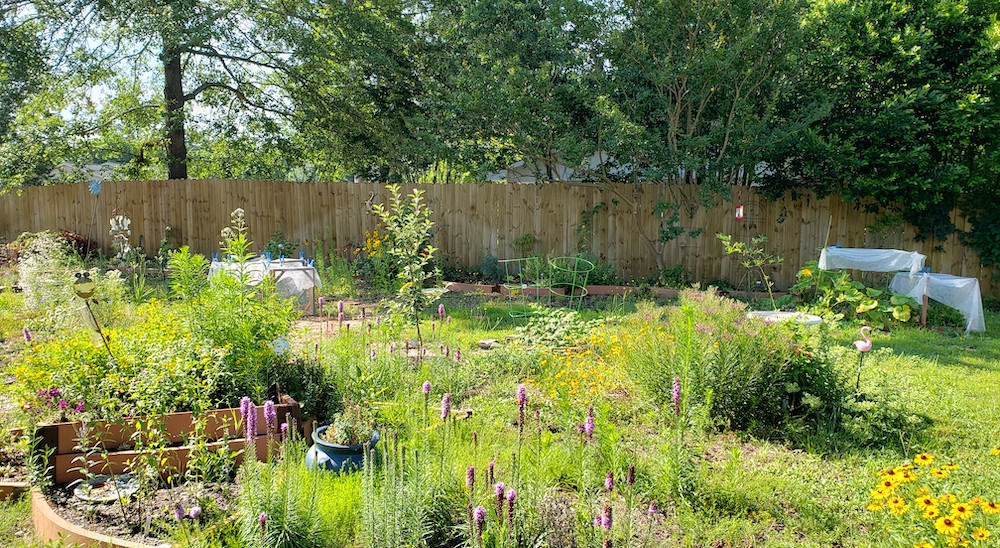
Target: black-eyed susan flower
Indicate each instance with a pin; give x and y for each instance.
(881, 493)
(926, 502)
(875, 506)
(923, 459)
(923, 545)
(980, 534)
(948, 526)
(896, 501)
(995, 450)
(923, 490)
(976, 501)
(932, 512)
(950, 466)
(991, 507)
(957, 541)
(939, 473)
(962, 510)
(900, 509)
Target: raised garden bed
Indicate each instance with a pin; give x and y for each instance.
(221, 426)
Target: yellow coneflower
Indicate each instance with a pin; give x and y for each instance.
(939, 473)
(948, 526)
(923, 545)
(923, 459)
(962, 510)
(980, 534)
(926, 502)
(995, 450)
(950, 466)
(991, 507)
(932, 512)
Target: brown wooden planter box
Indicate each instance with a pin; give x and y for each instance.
(611, 290)
(9, 489)
(470, 288)
(530, 291)
(664, 292)
(220, 426)
(51, 526)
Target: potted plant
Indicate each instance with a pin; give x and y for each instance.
(341, 445)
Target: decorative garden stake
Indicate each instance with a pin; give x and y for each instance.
(84, 288)
(863, 346)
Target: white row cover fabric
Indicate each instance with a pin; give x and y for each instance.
(871, 260)
(292, 276)
(957, 292)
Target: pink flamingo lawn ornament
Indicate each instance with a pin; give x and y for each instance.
(863, 346)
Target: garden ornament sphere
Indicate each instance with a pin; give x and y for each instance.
(84, 286)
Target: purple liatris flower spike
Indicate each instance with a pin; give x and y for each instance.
(447, 351)
(630, 475)
(458, 355)
(340, 317)
(251, 422)
(501, 491)
(470, 477)
(609, 481)
(194, 513)
(606, 516)
(597, 520)
(245, 403)
(426, 388)
(179, 512)
(447, 320)
(262, 520)
(270, 416)
(446, 406)
(284, 430)
(27, 334)
(372, 354)
(340, 308)
(511, 495)
(589, 425)
(321, 301)
(676, 396)
(652, 508)
(522, 396)
(441, 311)
(479, 517)
(489, 471)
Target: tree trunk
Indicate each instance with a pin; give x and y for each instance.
(173, 101)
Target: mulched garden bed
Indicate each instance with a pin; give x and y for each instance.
(217, 502)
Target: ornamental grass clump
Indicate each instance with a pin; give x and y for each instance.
(916, 503)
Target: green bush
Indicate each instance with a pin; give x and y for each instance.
(833, 294)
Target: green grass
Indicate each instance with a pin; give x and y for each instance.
(798, 490)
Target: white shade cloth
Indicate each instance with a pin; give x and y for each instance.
(957, 292)
(292, 276)
(871, 260)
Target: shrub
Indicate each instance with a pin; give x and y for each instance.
(833, 294)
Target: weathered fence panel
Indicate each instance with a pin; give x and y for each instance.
(478, 219)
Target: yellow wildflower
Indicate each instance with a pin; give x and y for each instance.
(980, 534)
(923, 459)
(948, 526)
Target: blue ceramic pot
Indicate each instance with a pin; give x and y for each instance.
(340, 458)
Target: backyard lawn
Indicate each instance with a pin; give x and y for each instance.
(632, 421)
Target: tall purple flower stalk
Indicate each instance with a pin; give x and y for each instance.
(270, 416)
(479, 517)
(652, 508)
(27, 334)
(470, 478)
(489, 472)
(441, 311)
(500, 490)
(340, 308)
(630, 475)
(522, 400)
(676, 396)
(511, 495)
(606, 516)
(609, 481)
(589, 425)
(446, 406)
(262, 520)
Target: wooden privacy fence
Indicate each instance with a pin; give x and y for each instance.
(473, 220)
